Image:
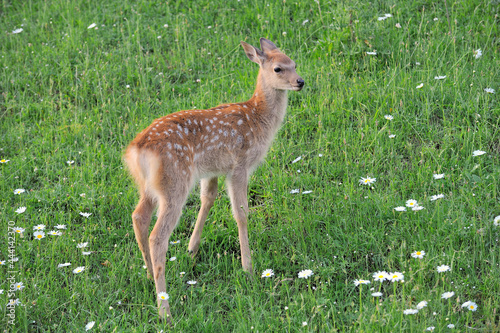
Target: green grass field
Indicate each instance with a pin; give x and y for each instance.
(73, 96)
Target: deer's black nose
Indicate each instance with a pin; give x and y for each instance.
(300, 82)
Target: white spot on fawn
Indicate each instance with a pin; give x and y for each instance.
(240, 122)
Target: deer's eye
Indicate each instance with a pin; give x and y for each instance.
(277, 69)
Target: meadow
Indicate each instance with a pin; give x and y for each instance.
(400, 103)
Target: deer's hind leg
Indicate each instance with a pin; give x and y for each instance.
(141, 218)
(171, 198)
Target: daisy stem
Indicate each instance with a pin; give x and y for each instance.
(403, 299)
(360, 304)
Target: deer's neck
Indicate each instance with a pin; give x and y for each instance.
(270, 105)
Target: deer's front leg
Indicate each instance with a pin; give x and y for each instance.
(208, 193)
(237, 184)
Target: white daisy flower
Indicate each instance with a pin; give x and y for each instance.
(18, 230)
(70, 162)
(430, 328)
(55, 233)
(21, 210)
(435, 197)
(86, 253)
(19, 286)
(417, 208)
(294, 191)
(63, 265)
(421, 305)
(39, 234)
(381, 276)
(418, 254)
(388, 117)
(3, 160)
(93, 25)
(19, 191)
(306, 192)
(478, 153)
(447, 294)
(496, 221)
(367, 180)
(86, 215)
(470, 305)
(173, 259)
(443, 268)
(410, 311)
(163, 296)
(478, 53)
(305, 274)
(17, 31)
(440, 77)
(60, 226)
(438, 176)
(420, 86)
(304, 323)
(398, 25)
(15, 302)
(411, 203)
(377, 294)
(396, 276)
(191, 282)
(39, 227)
(79, 269)
(489, 90)
(358, 282)
(267, 273)
(82, 245)
(371, 53)
(175, 242)
(451, 326)
(89, 325)
(297, 159)
(392, 136)
(400, 209)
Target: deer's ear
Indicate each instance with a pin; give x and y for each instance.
(266, 45)
(253, 53)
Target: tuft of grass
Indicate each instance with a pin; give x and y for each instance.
(70, 93)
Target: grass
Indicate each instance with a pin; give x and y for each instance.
(70, 93)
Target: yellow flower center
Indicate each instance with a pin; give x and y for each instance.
(471, 307)
(38, 236)
(418, 253)
(3, 161)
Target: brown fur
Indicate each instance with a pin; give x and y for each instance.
(176, 150)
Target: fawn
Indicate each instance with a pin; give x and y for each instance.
(168, 157)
